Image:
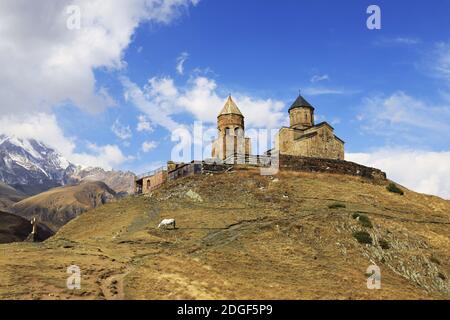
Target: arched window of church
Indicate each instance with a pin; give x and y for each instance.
(237, 132)
(227, 131)
(148, 184)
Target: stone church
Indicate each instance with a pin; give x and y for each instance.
(302, 138)
(231, 133)
(305, 138)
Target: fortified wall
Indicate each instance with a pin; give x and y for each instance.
(307, 164)
(150, 183)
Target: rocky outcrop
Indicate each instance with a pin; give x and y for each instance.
(17, 229)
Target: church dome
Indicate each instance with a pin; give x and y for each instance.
(230, 107)
(301, 103)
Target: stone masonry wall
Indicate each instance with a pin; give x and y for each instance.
(329, 166)
(153, 182)
(321, 145)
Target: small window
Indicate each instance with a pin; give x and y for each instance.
(148, 184)
(227, 131)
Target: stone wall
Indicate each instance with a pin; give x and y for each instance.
(150, 183)
(231, 121)
(225, 146)
(185, 170)
(318, 143)
(196, 167)
(301, 118)
(329, 166)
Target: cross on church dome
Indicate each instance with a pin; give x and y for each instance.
(300, 102)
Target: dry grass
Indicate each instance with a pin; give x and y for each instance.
(252, 237)
(57, 206)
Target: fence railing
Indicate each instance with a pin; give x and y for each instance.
(151, 173)
(256, 160)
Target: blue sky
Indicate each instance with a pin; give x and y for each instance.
(386, 92)
(273, 49)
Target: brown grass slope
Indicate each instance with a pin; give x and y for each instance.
(248, 237)
(57, 206)
(9, 196)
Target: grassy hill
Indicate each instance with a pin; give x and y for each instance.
(57, 206)
(244, 236)
(9, 196)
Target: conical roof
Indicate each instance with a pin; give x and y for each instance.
(301, 103)
(230, 107)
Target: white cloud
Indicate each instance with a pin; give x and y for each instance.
(441, 62)
(105, 156)
(319, 91)
(403, 116)
(421, 171)
(318, 78)
(121, 131)
(147, 146)
(144, 124)
(44, 127)
(180, 62)
(261, 113)
(45, 64)
(201, 99)
(335, 121)
(405, 41)
(155, 106)
(160, 99)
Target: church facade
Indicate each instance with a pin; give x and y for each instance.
(305, 138)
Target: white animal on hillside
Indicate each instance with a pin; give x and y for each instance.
(167, 223)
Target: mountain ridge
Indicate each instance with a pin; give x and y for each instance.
(57, 206)
(9, 196)
(32, 167)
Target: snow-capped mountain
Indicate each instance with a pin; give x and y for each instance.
(30, 166)
(33, 167)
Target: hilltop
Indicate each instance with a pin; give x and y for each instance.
(57, 206)
(244, 236)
